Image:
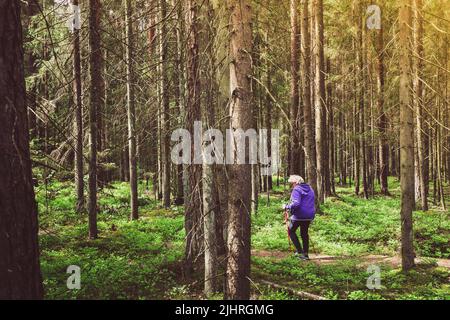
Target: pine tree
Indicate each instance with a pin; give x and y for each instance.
(406, 137)
(239, 198)
(20, 275)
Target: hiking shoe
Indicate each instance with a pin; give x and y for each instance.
(301, 256)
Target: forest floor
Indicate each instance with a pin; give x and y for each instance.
(143, 259)
(366, 260)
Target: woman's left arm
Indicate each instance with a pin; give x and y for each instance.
(296, 200)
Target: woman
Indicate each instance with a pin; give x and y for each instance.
(302, 208)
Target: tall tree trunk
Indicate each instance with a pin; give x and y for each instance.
(319, 97)
(356, 116)
(269, 115)
(210, 200)
(193, 194)
(165, 122)
(131, 112)
(100, 110)
(257, 91)
(341, 138)
(361, 97)
(406, 137)
(179, 83)
(330, 172)
(239, 201)
(441, 106)
(77, 90)
(294, 148)
(383, 148)
(418, 101)
(310, 148)
(20, 275)
(439, 163)
(95, 71)
(447, 111)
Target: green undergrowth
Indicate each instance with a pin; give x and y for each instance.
(143, 259)
(347, 279)
(352, 226)
(130, 259)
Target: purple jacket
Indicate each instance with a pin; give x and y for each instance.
(302, 205)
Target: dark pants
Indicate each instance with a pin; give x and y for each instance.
(304, 225)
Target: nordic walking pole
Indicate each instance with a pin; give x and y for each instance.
(312, 246)
(286, 221)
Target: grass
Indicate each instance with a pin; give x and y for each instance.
(143, 259)
(347, 279)
(130, 260)
(352, 226)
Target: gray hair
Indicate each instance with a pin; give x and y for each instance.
(295, 179)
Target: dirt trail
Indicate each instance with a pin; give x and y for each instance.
(394, 261)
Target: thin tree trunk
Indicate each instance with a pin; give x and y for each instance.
(361, 99)
(418, 101)
(95, 70)
(383, 148)
(165, 122)
(406, 138)
(310, 148)
(356, 113)
(331, 134)
(100, 110)
(193, 194)
(257, 91)
(268, 116)
(179, 90)
(439, 164)
(131, 112)
(294, 148)
(210, 200)
(319, 97)
(77, 90)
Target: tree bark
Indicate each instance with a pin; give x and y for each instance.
(418, 101)
(20, 275)
(239, 201)
(165, 122)
(131, 112)
(406, 137)
(193, 194)
(294, 147)
(356, 116)
(179, 92)
(268, 114)
(95, 71)
(319, 97)
(383, 148)
(257, 106)
(310, 148)
(210, 199)
(361, 98)
(77, 90)
(330, 136)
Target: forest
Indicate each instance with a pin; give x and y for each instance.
(155, 149)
